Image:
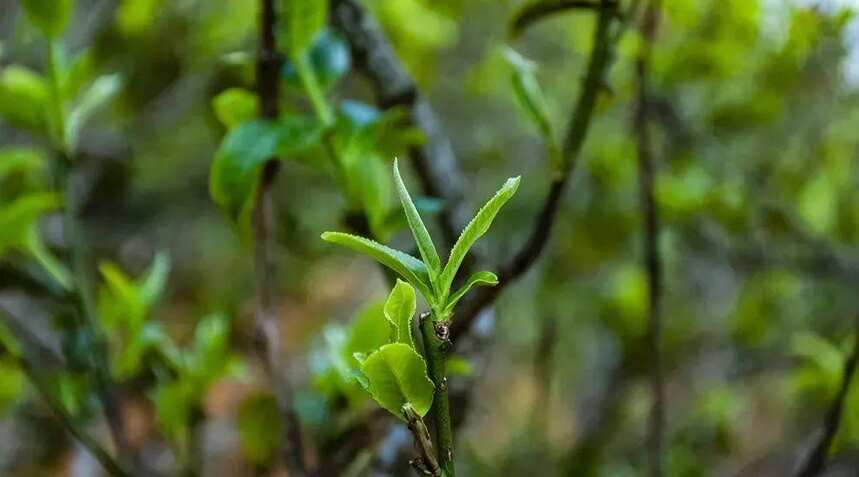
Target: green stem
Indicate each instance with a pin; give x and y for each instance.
(314, 91)
(57, 114)
(435, 347)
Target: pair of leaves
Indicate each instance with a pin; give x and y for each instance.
(396, 374)
(428, 276)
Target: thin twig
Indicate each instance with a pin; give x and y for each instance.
(537, 10)
(427, 461)
(815, 463)
(652, 258)
(267, 332)
(577, 131)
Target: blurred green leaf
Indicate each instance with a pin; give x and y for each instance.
(302, 20)
(50, 16)
(173, 410)
(243, 151)
(329, 58)
(531, 98)
(397, 375)
(102, 90)
(234, 106)
(23, 98)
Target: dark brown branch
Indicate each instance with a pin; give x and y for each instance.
(267, 331)
(434, 161)
(577, 131)
(535, 11)
(652, 258)
(816, 460)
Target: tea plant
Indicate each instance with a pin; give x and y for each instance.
(396, 374)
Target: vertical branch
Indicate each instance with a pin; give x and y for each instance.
(267, 332)
(436, 337)
(652, 258)
(816, 460)
(544, 356)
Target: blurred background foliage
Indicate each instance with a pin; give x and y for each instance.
(756, 117)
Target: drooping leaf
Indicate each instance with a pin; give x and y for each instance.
(397, 375)
(479, 278)
(17, 217)
(474, 230)
(50, 16)
(419, 230)
(537, 10)
(20, 159)
(97, 95)
(410, 268)
(234, 106)
(23, 98)
(246, 148)
(302, 20)
(399, 309)
(34, 246)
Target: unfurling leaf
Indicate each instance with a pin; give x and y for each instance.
(397, 375)
(419, 230)
(479, 278)
(399, 309)
(474, 230)
(531, 96)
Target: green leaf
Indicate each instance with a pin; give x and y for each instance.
(234, 106)
(20, 159)
(367, 332)
(399, 309)
(17, 217)
(419, 230)
(173, 410)
(302, 21)
(97, 95)
(531, 98)
(410, 268)
(34, 246)
(129, 307)
(50, 16)
(259, 428)
(246, 148)
(153, 284)
(329, 58)
(397, 375)
(23, 98)
(211, 353)
(479, 278)
(474, 230)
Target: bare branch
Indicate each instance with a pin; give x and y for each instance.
(267, 332)
(652, 257)
(535, 11)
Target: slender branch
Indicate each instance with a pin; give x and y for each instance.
(816, 461)
(267, 345)
(652, 258)
(436, 336)
(434, 161)
(427, 462)
(577, 131)
(535, 11)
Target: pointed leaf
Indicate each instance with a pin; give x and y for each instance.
(419, 230)
(529, 93)
(479, 278)
(474, 230)
(235, 106)
(397, 375)
(152, 285)
(399, 309)
(410, 268)
(23, 98)
(99, 93)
